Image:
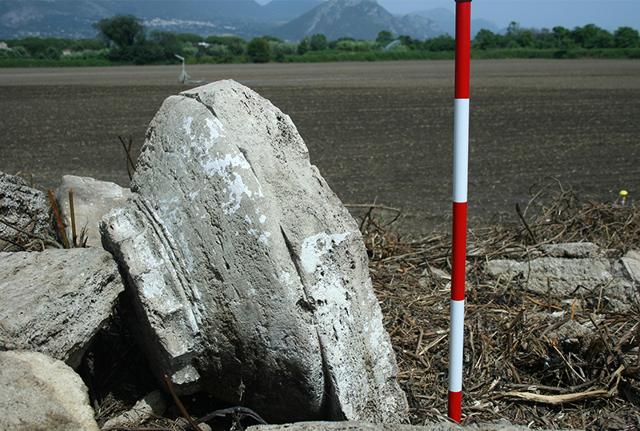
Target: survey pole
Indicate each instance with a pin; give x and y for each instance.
(460, 183)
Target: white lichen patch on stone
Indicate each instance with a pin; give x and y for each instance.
(264, 238)
(186, 126)
(225, 167)
(316, 246)
(216, 129)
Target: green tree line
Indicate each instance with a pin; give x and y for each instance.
(124, 40)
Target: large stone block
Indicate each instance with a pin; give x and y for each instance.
(41, 393)
(55, 301)
(250, 276)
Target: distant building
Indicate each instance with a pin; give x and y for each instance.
(66, 52)
(204, 44)
(4, 46)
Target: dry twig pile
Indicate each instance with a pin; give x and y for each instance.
(513, 368)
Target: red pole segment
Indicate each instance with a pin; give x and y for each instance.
(460, 182)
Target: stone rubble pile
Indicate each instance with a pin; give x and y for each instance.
(247, 277)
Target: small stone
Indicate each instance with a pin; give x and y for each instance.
(42, 393)
(571, 250)
(152, 405)
(23, 207)
(631, 263)
(92, 199)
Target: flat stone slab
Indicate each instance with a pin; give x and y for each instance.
(572, 276)
(42, 393)
(55, 301)
(250, 277)
(558, 275)
(92, 199)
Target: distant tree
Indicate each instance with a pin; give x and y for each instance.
(148, 52)
(410, 42)
(385, 38)
(189, 37)
(303, 46)
(318, 42)
(51, 53)
(626, 37)
(440, 43)
(259, 50)
(591, 36)
(122, 31)
(19, 52)
(486, 39)
(168, 42)
(272, 39)
(563, 38)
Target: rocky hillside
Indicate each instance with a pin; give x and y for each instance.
(359, 19)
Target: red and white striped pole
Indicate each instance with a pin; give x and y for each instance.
(460, 181)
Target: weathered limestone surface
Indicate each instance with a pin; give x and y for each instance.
(22, 206)
(631, 262)
(56, 300)
(92, 199)
(362, 426)
(560, 275)
(569, 276)
(41, 393)
(571, 249)
(250, 276)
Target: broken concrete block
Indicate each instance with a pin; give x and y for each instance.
(249, 275)
(55, 301)
(42, 393)
(92, 200)
(23, 207)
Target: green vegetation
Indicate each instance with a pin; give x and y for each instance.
(124, 40)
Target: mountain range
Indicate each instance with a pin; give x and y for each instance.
(288, 19)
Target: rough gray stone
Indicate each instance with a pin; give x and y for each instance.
(153, 405)
(571, 250)
(361, 426)
(22, 206)
(631, 262)
(92, 199)
(570, 277)
(55, 301)
(251, 277)
(40, 393)
(560, 275)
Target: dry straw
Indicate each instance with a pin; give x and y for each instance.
(513, 368)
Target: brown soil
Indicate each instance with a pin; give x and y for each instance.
(378, 131)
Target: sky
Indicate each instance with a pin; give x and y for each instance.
(609, 14)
